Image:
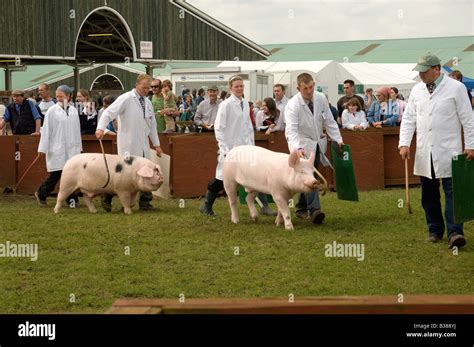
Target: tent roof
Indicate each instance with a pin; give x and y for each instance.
(381, 51)
(314, 66)
(370, 74)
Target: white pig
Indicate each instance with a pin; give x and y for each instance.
(128, 176)
(259, 170)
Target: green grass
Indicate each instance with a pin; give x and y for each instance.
(177, 250)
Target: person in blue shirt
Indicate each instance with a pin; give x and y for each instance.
(22, 115)
(383, 111)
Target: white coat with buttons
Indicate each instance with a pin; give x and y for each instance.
(232, 128)
(305, 129)
(134, 129)
(437, 119)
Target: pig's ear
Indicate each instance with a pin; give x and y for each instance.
(293, 159)
(311, 158)
(159, 169)
(145, 171)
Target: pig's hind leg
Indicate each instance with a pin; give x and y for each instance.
(65, 190)
(250, 199)
(231, 191)
(87, 197)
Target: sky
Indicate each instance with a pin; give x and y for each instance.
(281, 21)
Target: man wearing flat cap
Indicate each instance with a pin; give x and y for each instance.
(437, 110)
(22, 115)
(207, 110)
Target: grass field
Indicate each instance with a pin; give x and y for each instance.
(178, 251)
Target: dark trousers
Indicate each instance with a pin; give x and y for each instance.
(430, 200)
(310, 201)
(215, 185)
(49, 184)
(145, 198)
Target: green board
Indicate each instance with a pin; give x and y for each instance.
(243, 195)
(346, 187)
(463, 189)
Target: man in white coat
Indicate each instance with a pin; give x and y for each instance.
(60, 140)
(437, 109)
(137, 126)
(232, 128)
(306, 115)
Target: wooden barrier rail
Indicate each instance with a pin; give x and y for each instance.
(412, 304)
(377, 163)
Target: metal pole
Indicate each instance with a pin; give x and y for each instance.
(76, 78)
(149, 70)
(8, 79)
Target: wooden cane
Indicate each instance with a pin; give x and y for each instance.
(106, 165)
(26, 171)
(325, 183)
(407, 188)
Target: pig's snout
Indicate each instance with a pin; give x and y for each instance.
(312, 184)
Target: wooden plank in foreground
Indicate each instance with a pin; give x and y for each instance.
(412, 304)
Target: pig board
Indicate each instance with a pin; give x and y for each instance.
(463, 189)
(164, 162)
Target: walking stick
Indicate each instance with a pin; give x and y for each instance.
(324, 182)
(106, 165)
(26, 171)
(407, 188)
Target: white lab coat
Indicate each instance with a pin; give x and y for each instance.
(305, 130)
(437, 119)
(133, 130)
(60, 136)
(232, 128)
(349, 120)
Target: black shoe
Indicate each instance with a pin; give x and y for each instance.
(148, 207)
(457, 240)
(106, 204)
(42, 203)
(434, 238)
(206, 206)
(302, 214)
(317, 217)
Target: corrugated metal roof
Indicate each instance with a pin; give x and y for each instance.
(386, 51)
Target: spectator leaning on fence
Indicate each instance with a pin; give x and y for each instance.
(158, 105)
(368, 98)
(267, 118)
(113, 125)
(185, 109)
(389, 113)
(280, 100)
(87, 112)
(397, 103)
(349, 87)
(200, 97)
(23, 116)
(170, 106)
(47, 101)
(353, 117)
(207, 110)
